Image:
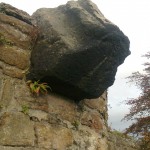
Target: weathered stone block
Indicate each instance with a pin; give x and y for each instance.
(16, 32)
(12, 71)
(7, 93)
(15, 57)
(88, 139)
(53, 137)
(19, 148)
(92, 120)
(16, 129)
(99, 104)
(1, 84)
(38, 115)
(62, 107)
(16, 13)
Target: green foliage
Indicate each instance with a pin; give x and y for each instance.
(145, 142)
(76, 124)
(118, 133)
(25, 109)
(103, 134)
(1, 106)
(121, 134)
(38, 88)
(140, 106)
(3, 41)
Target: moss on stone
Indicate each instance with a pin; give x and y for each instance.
(4, 41)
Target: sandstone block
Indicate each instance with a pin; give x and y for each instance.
(7, 92)
(14, 12)
(19, 148)
(53, 137)
(15, 57)
(99, 104)
(62, 107)
(16, 129)
(92, 120)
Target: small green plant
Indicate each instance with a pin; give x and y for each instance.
(25, 109)
(76, 124)
(3, 41)
(1, 106)
(103, 134)
(119, 134)
(38, 88)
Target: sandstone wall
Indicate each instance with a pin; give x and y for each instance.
(49, 122)
(53, 122)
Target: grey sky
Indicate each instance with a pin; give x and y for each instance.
(133, 18)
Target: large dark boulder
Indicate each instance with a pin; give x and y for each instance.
(78, 50)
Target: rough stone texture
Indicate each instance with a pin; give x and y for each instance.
(12, 71)
(16, 13)
(97, 103)
(92, 120)
(7, 94)
(52, 122)
(17, 37)
(9, 55)
(91, 140)
(78, 49)
(38, 115)
(116, 142)
(54, 137)
(19, 148)
(16, 130)
(63, 108)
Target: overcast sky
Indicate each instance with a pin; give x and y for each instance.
(133, 18)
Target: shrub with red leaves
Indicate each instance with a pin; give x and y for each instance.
(140, 107)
